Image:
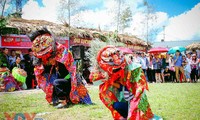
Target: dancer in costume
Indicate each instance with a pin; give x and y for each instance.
(7, 82)
(56, 74)
(123, 91)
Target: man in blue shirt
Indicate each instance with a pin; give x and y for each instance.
(178, 65)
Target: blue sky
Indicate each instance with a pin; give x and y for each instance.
(173, 7)
(180, 17)
(40, 3)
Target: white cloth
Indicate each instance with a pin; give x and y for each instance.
(137, 60)
(187, 67)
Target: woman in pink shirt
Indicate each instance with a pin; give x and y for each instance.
(194, 65)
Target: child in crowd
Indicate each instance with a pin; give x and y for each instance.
(166, 74)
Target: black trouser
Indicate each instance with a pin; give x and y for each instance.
(194, 73)
(61, 89)
(168, 78)
(121, 108)
(151, 75)
(172, 76)
(29, 81)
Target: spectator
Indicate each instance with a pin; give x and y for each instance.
(12, 58)
(20, 54)
(167, 74)
(178, 65)
(4, 58)
(32, 57)
(194, 52)
(187, 68)
(157, 67)
(167, 60)
(163, 66)
(136, 58)
(17, 63)
(198, 54)
(172, 69)
(188, 56)
(145, 64)
(151, 71)
(194, 65)
(29, 68)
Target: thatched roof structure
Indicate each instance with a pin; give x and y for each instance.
(131, 40)
(194, 46)
(29, 26)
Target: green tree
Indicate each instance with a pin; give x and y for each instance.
(125, 19)
(3, 22)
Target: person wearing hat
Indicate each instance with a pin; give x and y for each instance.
(178, 65)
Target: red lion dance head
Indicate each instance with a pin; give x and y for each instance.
(43, 44)
(111, 59)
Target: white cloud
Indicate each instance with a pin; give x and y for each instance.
(93, 19)
(105, 17)
(182, 27)
(185, 26)
(32, 11)
(88, 18)
(139, 24)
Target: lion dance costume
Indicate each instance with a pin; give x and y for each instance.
(7, 82)
(123, 93)
(58, 79)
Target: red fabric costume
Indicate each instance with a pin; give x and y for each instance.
(45, 47)
(121, 74)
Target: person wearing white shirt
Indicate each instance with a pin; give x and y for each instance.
(136, 58)
(145, 64)
(151, 71)
(187, 68)
(12, 57)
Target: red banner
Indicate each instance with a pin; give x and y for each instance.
(23, 41)
(16, 41)
(80, 41)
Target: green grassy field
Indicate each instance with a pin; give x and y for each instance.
(172, 101)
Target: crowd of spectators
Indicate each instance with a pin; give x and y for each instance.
(15, 58)
(160, 68)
